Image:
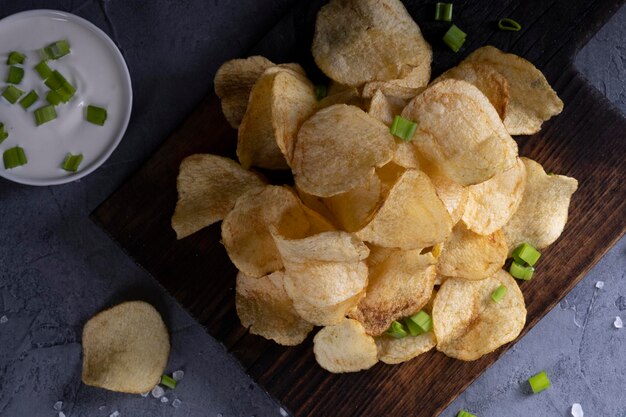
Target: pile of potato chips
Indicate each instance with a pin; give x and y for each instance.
(377, 228)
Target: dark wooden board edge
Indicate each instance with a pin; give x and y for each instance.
(277, 361)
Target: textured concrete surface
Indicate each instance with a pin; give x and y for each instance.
(57, 269)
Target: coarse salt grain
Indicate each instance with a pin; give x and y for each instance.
(577, 410)
(176, 403)
(61, 414)
(3, 319)
(58, 406)
(178, 375)
(618, 323)
(114, 414)
(157, 391)
(283, 412)
(164, 399)
(600, 284)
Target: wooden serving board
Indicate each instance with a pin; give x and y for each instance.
(587, 141)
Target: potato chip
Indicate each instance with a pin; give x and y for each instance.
(326, 315)
(385, 108)
(208, 186)
(397, 287)
(412, 216)
(349, 96)
(344, 347)
(469, 324)
(245, 230)
(471, 256)
(324, 269)
(264, 306)
(357, 41)
(389, 174)
(316, 204)
(354, 208)
(358, 144)
(279, 102)
(542, 214)
(393, 351)
(492, 203)
(125, 348)
(453, 195)
(460, 132)
(412, 82)
(484, 77)
(233, 83)
(532, 100)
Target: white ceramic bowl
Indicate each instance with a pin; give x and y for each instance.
(98, 71)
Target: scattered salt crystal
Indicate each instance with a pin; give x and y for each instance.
(618, 323)
(3, 319)
(164, 399)
(158, 391)
(178, 375)
(577, 410)
(283, 412)
(58, 405)
(220, 415)
(61, 414)
(145, 394)
(600, 284)
(176, 403)
(102, 407)
(114, 414)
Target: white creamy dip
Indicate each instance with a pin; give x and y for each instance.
(94, 67)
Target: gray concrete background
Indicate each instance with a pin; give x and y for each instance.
(57, 268)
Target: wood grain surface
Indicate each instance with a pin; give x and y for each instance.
(587, 141)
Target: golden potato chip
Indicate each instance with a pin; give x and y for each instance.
(532, 100)
(208, 186)
(317, 222)
(460, 132)
(357, 41)
(469, 324)
(349, 96)
(279, 102)
(484, 77)
(344, 347)
(453, 195)
(385, 108)
(354, 208)
(471, 256)
(542, 214)
(316, 204)
(324, 269)
(397, 287)
(246, 234)
(264, 306)
(357, 142)
(393, 351)
(233, 83)
(412, 216)
(125, 348)
(326, 315)
(492, 203)
(389, 174)
(413, 80)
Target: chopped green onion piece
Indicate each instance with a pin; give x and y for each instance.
(403, 128)
(525, 253)
(29, 99)
(521, 271)
(3, 133)
(14, 157)
(443, 12)
(15, 75)
(464, 413)
(15, 58)
(12, 94)
(168, 381)
(396, 330)
(498, 293)
(54, 98)
(55, 81)
(55, 50)
(96, 115)
(509, 24)
(45, 114)
(320, 91)
(72, 162)
(43, 70)
(414, 329)
(454, 38)
(539, 382)
(422, 320)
